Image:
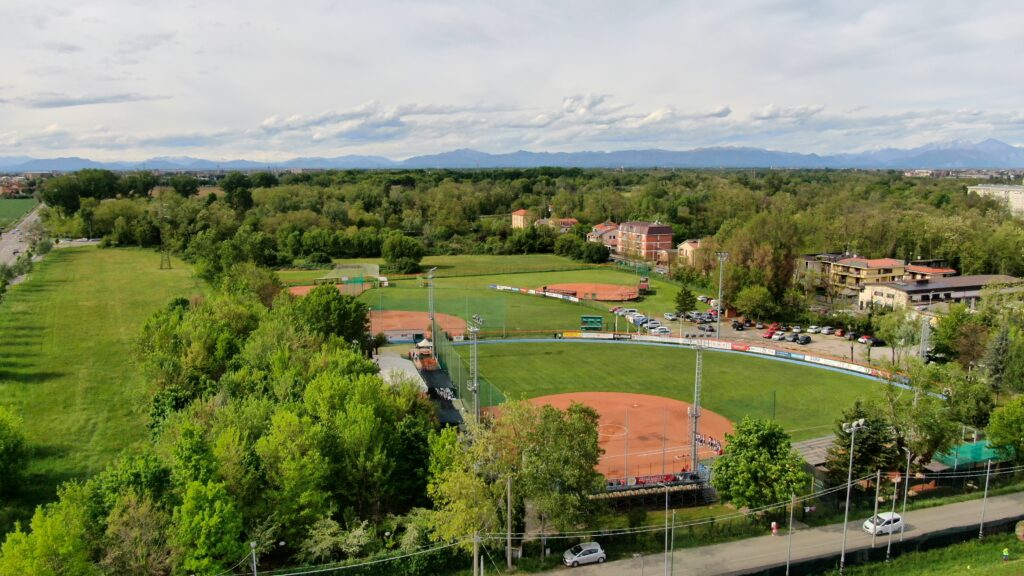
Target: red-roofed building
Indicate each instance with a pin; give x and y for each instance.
(917, 272)
(562, 225)
(520, 218)
(644, 239)
(852, 273)
(606, 233)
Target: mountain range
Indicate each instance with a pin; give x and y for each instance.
(955, 154)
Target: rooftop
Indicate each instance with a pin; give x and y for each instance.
(520, 212)
(871, 263)
(1006, 187)
(929, 270)
(953, 283)
(646, 228)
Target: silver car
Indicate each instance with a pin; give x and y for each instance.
(585, 553)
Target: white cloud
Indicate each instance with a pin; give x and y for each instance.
(275, 80)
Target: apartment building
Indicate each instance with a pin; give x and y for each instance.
(686, 252)
(643, 240)
(1012, 196)
(606, 233)
(520, 218)
(953, 289)
(847, 275)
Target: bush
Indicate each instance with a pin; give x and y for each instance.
(13, 451)
(318, 258)
(401, 266)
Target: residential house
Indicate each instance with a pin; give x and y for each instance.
(952, 289)
(606, 233)
(686, 252)
(918, 272)
(848, 275)
(643, 240)
(520, 218)
(561, 225)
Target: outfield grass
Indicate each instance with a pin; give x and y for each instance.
(805, 400)
(13, 209)
(66, 337)
(505, 312)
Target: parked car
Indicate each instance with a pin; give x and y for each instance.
(796, 329)
(813, 329)
(585, 553)
(778, 336)
(626, 311)
(884, 523)
(768, 333)
(651, 324)
(864, 339)
(615, 309)
(792, 336)
(775, 326)
(878, 342)
(803, 340)
(759, 325)
(670, 316)
(826, 330)
(839, 332)
(702, 298)
(662, 331)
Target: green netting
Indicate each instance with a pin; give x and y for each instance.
(970, 453)
(455, 361)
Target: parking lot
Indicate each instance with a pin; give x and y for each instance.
(821, 344)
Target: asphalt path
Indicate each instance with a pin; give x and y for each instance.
(12, 242)
(747, 555)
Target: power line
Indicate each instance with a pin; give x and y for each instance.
(321, 569)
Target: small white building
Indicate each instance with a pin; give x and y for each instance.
(1012, 195)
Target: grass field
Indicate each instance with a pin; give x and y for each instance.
(805, 400)
(66, 337)
(12, 209)
(505, 312)
(978, 557)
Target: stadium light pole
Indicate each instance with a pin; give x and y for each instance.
(666, 526)
(850, 428)
(722, 257)
(475, 323)
(430, 298)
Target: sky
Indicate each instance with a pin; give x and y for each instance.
(272, 80)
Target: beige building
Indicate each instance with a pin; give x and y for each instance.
(918, 272)
(520, 218)
(849, 274)
(953, 289)
(686, 252)
(1012, 196)
(606, 233)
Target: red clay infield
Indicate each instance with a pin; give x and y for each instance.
(591, 291)
(383, 320)
(648, 427)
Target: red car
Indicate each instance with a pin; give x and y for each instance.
(774, 326)
(839, 332)
(768, 334)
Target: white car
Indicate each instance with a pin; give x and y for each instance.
(884, 523)
(702, 298)
(670, 316)
(826, 330)
(662, 331)
(813, 330)
(796, 330)
(586, 553)
(779, 336)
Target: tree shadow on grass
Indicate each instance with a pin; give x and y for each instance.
(37, 488)
(34, 377)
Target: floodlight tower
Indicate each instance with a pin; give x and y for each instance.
(695, 409)
(474, 326)
(430, 302)
(722, 257)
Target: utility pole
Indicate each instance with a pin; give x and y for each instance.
(252, 548)
(789, 551)
(508, 522)
(476, 554)
(722, 257)
(984, 500)
(850, 428)
(878, 485)
(695, 410)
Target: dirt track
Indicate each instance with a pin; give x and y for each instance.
(592, 291)
(383, 320)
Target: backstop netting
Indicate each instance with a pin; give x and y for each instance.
(454, 360)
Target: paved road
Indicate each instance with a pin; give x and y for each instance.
(766, 551)
(12, 241)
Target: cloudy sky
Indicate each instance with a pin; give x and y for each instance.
(273, 80)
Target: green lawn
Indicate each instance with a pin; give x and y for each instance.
(506, 312)
(66, 337)
(806, 400)
(979, 557)
(12, 210)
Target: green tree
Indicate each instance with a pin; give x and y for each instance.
(237, 191)
(595, 253)
(901, 330)
(185, 185)
(759, 466)
(328, 312)
(138, 184)
(1006, 429)
(62, 192)
(685, 300)
(206, 529)
(58, 543)
(997, 358)
(13, 451)
(875, 447)
(402, 254)
(756, 301)
(264, 180)
(136, 542)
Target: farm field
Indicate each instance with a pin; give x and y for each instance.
(66, 337)
(12, 209)
(805, 400)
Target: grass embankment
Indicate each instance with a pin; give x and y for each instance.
(979, 557)
(805, 400)
(66, 337)
(13, 209)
